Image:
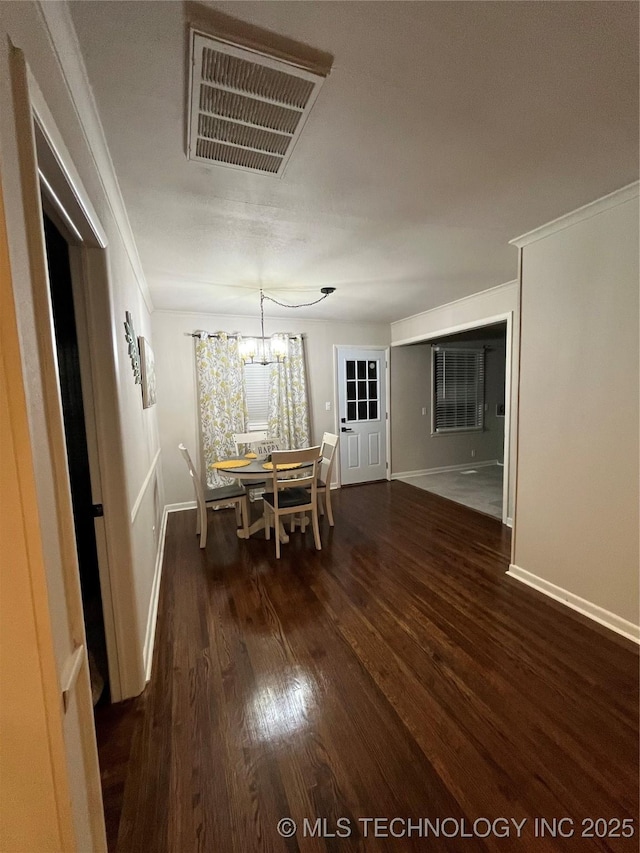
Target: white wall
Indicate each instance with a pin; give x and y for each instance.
(175, 365)
(48, 42)
(577, 490)
(480, 309)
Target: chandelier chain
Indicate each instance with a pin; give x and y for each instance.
(301, 305)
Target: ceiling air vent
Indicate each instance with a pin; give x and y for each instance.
(246, 109)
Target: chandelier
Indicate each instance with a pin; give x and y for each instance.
(274, 351)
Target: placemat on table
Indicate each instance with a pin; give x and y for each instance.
(231, 463)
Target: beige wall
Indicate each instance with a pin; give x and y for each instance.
(413, 447)
(577, 489)
(176, 377)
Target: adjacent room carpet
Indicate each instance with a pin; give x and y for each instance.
(480, 490)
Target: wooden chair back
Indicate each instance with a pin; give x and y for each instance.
(291, 478)
(197, 483)
(242, 440)
(328, 452)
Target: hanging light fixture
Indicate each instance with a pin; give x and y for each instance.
(254, 350)
(257, 350)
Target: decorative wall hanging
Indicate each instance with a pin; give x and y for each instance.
(148, 373)
(134, 354)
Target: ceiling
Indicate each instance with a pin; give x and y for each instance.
(443, 130)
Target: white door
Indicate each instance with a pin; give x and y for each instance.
(362, 414)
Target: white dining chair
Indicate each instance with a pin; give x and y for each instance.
(244, 440)
(222, 496)
(258, 443)
(292, 496)
(325, 472)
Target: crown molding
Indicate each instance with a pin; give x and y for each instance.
(64, 42)
(617, 197)
(220, 315)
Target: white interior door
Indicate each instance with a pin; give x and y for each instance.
(362, 414)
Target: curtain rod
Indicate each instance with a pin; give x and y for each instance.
(234, 336)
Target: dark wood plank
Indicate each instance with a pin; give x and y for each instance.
(115, 726)
(397, 673)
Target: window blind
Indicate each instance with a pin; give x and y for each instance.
(458, 389)
(256, 378)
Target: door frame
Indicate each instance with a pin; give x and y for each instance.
(48, 452)
(90, 273)
(384, 348)
(73, 213)
(508, 317)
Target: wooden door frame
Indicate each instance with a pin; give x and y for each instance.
(88, 255)
(69, 202)
(48, 449)
(384, 348)
(33, 720)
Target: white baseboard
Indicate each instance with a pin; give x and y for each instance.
(509, 522)
(152, 619)
(150, 633)
(575, 602)
(464, 467)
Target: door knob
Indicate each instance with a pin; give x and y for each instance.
(346, 429)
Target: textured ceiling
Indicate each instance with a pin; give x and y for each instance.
(443, 130)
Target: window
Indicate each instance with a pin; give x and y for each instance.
(363, 396)
(256, 378)
(458, 389)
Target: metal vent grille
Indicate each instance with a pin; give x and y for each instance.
(242, 135)
(239, 157)
(227, 105)
(246, 109)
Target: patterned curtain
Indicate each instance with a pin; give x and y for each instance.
(288, 404)
(223, 405)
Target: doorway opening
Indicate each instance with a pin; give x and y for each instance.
(73, 410)
(460, 437)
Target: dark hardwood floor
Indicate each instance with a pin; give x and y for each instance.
(398, 673)
(115, 726)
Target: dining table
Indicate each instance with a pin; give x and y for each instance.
(248, 469)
